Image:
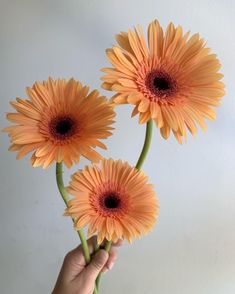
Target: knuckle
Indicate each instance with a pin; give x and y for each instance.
(113, 258)
(68, 256)
(97, 264)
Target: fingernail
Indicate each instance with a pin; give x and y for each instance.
(105, 270)
(110, 266)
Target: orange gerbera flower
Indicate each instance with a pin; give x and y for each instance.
(114, 199)
(60, 122)
(174, 80)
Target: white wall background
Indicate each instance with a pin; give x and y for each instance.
(192, 248)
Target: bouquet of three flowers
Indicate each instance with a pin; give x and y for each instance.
(172, 80)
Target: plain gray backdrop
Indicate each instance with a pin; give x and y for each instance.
(192, 248)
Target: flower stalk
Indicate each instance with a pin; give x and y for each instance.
(139, 164)
(64, 195)
(147, 143)
(106, 248)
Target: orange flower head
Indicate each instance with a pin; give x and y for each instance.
(60, 122)
(174, 80)
(114, 199)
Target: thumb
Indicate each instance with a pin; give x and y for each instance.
(91, 272)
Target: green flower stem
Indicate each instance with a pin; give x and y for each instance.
(95, 290)
(106, 248)
(97, 246)
(142, 157)
(147, 143)
(64, 194)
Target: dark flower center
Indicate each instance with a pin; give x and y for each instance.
(62, 127)
(111, 201)
(160, 83)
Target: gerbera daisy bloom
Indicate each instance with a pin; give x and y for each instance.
(114, 199)
(60, 122)
(174, 80)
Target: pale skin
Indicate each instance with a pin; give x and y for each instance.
(76, 277)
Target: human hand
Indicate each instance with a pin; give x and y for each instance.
(76, 277)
